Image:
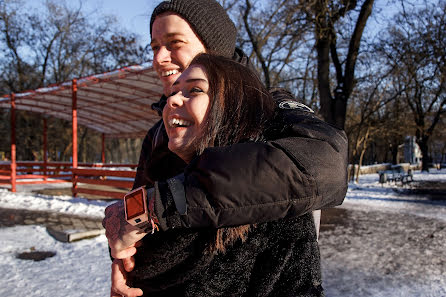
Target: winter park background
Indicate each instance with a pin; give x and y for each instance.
(380, 242)
(383, 240)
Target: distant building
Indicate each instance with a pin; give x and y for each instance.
(409, 152)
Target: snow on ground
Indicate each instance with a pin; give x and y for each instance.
(370, 194)
(78, 269)
(25, 199)
(391, 245)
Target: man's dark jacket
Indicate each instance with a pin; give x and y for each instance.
(259, 183)
(300, 168)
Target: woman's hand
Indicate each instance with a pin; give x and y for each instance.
(122, 237)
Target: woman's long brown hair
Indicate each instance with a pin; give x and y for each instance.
(240, 108)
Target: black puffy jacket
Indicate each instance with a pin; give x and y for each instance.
(302, 167)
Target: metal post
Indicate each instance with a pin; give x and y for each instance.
(74, 141)
(45, 150)
(103, 149)
(13, 145)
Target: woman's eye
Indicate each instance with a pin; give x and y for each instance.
(196, 90)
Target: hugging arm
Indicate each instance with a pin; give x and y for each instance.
(303, 168)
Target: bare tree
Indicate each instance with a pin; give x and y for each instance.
(326, 15)
(281, 37)
(273, 35)
(416, 49)
(59, 44)
(369, 113)
(52, 45)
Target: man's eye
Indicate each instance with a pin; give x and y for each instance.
(173, 44)
(173, 94)
(155, 48)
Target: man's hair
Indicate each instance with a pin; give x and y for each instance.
(240, 106)
(209, 21)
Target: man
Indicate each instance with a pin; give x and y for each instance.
(312, 154)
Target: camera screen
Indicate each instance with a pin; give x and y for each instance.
(134, 204)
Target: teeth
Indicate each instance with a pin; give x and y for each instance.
(179, 122)
(169, 73)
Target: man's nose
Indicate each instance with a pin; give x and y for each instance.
(162, 56)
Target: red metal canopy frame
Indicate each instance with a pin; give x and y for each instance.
(115, 104)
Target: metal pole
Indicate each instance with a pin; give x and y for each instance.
(74, 121)
(13, 145)
(45, 150)
(103, 148)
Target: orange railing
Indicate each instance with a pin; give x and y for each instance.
(112, 183)
(105, 180)
(34, 172)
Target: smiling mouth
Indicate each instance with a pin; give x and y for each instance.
(169, 73)
(175, 122)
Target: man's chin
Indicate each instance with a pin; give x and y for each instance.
(168, 83)
(178, 148)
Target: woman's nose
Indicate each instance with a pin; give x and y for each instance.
(176, 100)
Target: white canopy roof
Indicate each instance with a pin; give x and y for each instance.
(115, 103)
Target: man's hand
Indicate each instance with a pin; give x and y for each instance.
(122, 237)
(119, 281)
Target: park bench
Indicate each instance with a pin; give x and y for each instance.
(396, 174)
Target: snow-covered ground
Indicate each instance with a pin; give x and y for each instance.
(392, 245)
(25, 199)
(370, 194)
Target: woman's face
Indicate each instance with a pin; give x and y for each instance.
(186, 111)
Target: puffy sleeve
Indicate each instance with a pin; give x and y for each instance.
(302, 167)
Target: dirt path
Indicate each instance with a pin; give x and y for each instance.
(12, 217)
(367, 252)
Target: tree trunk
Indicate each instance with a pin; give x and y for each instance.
(334, 107)
(323, 69)
(364, 148)
(395, 154)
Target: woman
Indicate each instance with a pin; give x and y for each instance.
(217, 102)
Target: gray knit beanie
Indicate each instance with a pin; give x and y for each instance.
(209, 21)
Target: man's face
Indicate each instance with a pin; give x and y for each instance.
(174, 45)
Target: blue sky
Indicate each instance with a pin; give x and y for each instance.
(132, 14)
(135, 14)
